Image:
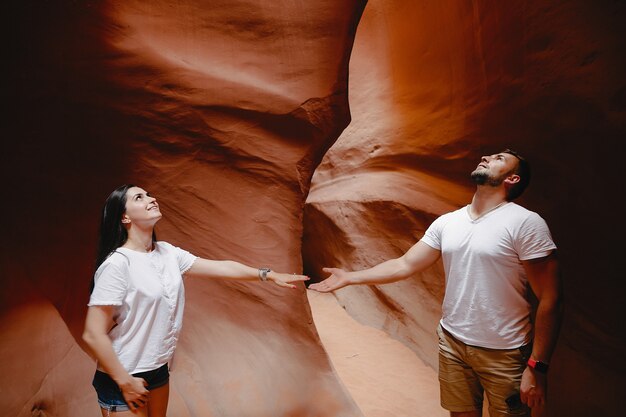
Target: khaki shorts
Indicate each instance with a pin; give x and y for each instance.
(465, 372)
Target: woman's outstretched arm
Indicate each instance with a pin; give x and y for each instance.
(237, 271)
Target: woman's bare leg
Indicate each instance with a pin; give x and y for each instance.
(141, 412)
(156, 407)
(159, 398)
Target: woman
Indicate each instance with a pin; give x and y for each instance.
(136, 305)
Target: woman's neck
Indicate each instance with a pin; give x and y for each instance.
(139, 240)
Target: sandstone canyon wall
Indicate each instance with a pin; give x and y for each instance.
(224, 109)
(221, 109)
(433, 86)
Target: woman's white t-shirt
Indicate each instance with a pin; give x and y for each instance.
(149, 297)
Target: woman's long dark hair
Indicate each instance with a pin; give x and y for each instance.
(113, 234)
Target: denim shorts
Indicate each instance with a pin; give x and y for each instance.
(109, 394)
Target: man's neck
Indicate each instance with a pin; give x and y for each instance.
(486, 199)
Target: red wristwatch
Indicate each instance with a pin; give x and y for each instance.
(538, 365)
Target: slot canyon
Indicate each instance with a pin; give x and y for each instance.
(298, 135)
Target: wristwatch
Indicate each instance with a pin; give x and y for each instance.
(263, 273)
(538, 365)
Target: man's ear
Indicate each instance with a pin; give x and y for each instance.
(512, 179)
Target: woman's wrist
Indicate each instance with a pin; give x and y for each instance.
(123, 381)
(264, 274)
(273, 276)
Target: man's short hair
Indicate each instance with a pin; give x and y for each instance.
(523, 171)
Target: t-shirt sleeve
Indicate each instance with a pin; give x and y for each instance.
(432, 236)
(534, 239)
(185, 259)
(110, 285)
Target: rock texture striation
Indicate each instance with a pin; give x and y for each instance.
(433, 86)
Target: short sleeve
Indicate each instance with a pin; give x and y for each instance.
(110, 285)
(185, 259)
(534, 239)
(432, 236)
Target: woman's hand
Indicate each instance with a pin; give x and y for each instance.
(135, 393)
(97, 325)
(283, 280)
(338, 279)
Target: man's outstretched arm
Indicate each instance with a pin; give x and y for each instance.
(416, 259)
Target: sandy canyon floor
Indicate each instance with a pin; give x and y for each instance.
(385, 378)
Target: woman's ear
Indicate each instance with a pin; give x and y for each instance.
(125, 219)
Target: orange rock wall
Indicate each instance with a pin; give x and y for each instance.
(220, 109)
(224, 109)
(433, 86)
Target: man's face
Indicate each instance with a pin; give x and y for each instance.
(494, 169)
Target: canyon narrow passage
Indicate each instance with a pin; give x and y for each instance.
(384, 377)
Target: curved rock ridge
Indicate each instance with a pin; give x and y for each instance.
(435, 85)
(360, 220)
(222, 110)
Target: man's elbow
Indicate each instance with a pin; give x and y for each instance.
(560, 305)
(553, 304)
(403, 270)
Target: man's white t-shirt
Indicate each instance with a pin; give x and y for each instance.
(147, 290)
(486, 299)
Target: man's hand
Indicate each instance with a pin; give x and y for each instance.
(533, 388)
(337, 279)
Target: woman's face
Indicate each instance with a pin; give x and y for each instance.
(141, 208)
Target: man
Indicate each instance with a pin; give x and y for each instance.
(492, 250)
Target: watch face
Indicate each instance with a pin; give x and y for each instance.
(263, 273)
(538, 365)
(541, 367)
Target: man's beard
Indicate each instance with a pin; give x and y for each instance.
(482, 177)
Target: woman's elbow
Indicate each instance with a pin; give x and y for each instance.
(88, 337)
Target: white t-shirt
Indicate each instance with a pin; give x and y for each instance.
(486, 302)
(147, 290)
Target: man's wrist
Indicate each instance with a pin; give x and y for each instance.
(539, 366)
(351, 279)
